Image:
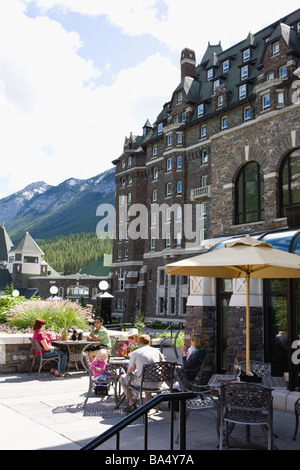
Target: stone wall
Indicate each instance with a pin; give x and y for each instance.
(15, 353)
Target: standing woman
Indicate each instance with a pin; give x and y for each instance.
(49, 351)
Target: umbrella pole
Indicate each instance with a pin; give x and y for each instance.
(248, 324)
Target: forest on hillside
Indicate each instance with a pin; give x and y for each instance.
(68, 254)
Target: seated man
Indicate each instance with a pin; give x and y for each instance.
(98, 333)
(146, 354)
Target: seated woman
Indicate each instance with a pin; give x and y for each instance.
(48, 350)
(131, 344)
(193, 362)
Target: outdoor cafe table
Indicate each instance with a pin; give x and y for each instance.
(119, 365)
(75, 349)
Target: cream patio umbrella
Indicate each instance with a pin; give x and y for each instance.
(243, 258)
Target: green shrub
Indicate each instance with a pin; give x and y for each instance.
(7, 302)
(58, 314)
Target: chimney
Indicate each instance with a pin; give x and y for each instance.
(188, 63)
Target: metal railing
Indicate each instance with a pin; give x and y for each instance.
(115, 430)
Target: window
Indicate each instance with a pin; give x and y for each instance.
(153, 220)
(247, 114)
(220, 101)
(179, 188)
(249, 194)
(168, 240)
(154, 195)
(155, 174)
(129, 198)
(203, 131)
(280, 98)
(154, 151)
(224, 122)
(266, 101)
(179, 162)
(121, 281)
(126, 254)
(178, 240)
(216, 84)
(169, 164)
(179, 97)
(246, 55)
(204, 157)
(244, 72)
(200, 110)
(242, 92)
(203, 209)
(270, 76)
(178, 213)
(289, 182)
(152, 246)
(160, 128)
(31, 259)
(123, 163)
(168, 189)
(283, 71)
(176, 119)
(204, 181)
(129, 161)
(276, 48)
(78, 291)
(226, 66)
(210, 74)
(183, 116)
(179, 139)
(169, 140)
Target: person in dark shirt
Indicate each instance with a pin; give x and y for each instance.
(193, 361)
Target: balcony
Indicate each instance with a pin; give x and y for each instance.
(200, 193)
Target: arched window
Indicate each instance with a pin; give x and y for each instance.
(289, 181)
(249, 194)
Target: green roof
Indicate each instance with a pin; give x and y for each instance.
(99, 268)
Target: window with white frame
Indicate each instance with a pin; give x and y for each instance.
(204, 181)
(169, 140)
(242, 92)
(246, 55)
(168, 240)
(247, 114)
(216, 84)
(266, 101)
(169, 164)
(244, 72)
(176, 119)
(179, 214)
(153, 219)
(129, 161)
(226, 65)
(168, 214)
(154, 151)
(200, 110)
(126, 254)
(160, 128)
(179, 188)
(179, 97)
(224, 121)
(155, 174)
(270, 75)
(220, 101)
(203, 209)
(168, 189)
(179, 162)
(276, 48)
(129, 198)
(280, 98)
(152, 244)
(203, 131)
(154, 195)
(210, 74)
(121, 281)
(178, 239)
(179, 139)
(183, 116)
(283, 71)
(204, 157)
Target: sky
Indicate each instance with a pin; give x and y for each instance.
(78, 76)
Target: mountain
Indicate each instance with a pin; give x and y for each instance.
(47, 211)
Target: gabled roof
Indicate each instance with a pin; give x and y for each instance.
(5, 244)
(27, 244)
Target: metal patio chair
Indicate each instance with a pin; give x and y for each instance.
(170, 342)
(246, 403)
(93, 381)
(36, 348)
(258, 368)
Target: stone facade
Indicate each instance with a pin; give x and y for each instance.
(236, 107)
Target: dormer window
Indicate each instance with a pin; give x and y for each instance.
(276, 48)
(242, 92)
(200, 110)
(210, 74)
(246, 55)
(226, 66)
(160, 128)
(220, 101)
(244, 72)
(179, 97)
(216, 84)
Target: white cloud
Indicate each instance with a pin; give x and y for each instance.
(55, 122)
